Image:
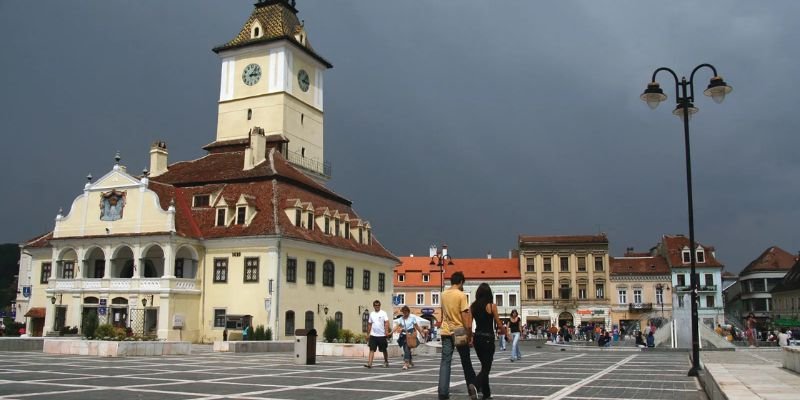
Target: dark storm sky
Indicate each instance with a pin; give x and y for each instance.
(458, 122)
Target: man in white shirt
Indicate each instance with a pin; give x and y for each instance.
(783, 338)
(378, 329)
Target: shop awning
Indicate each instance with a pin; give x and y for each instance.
(787, 322)
(36, 312)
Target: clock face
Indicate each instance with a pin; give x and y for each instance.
(302, 80)
(251, 74)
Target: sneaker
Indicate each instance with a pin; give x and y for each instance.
(512, 359)
(473, 392)
(405, 367)
(386, 365)
(367, 366)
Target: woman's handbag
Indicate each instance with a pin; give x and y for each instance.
(411, 340)
(460, 337)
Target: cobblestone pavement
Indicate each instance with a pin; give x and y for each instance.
(542, 374)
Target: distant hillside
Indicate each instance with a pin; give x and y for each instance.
(9, 258)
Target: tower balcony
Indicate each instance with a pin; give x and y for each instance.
(321, 169)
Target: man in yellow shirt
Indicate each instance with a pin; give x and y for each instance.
(455, 314)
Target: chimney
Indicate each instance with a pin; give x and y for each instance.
(444, 250)
(432, 252)
(158, 158)
(256, 152)
(629, 251)
(489, 255)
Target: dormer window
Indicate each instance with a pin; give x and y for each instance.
(327, 226)
(360, 235)
(336, 227)
(241, 215)
(401, 277)
(686, 255)
(347, 230)
(201, 200)
(298, 217)
(369, 236)
(221, 216)
(310, 221)
(700, 255)
(256, 32)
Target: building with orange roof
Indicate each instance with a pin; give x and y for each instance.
(564, 279)
(248, 234)
(641, 287)
(675, 249)
(419, 281)
(752, 291)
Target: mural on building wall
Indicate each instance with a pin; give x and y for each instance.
(112, 205)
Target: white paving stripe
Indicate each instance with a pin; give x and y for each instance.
(459, 383)
(571, 388)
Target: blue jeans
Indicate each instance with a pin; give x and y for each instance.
(406, 352)
(515, 353)
(447, 359)
(502, 339)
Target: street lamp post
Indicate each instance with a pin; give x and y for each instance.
(684, 96)
(440, 259)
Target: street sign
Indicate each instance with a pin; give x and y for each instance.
(396, 300)
(103, 302)
(101, 310)
(26, 291)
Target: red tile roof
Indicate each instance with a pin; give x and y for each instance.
(267, 189)
(649, 265)
(672, 248)
(36, 312)
(571, 239)
(772, 259)
(474, 269)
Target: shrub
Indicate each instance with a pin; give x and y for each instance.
(104, 331)
(331, 330)
(258, 334)
(346, 336)
(268, 334)
(90, 323)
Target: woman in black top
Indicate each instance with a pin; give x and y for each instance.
(484, 313)
(513, 325)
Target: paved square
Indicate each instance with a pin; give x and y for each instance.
(543, 373)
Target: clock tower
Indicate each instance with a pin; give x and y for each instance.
(272, 78)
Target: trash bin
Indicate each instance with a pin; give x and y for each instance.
(305, 346)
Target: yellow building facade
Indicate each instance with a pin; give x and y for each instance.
(246, 235)
(641, 290)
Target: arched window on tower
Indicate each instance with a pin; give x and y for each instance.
(249, 114)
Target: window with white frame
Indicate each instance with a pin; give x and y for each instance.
(401, 277)
(426, 277)
(660, 295)
(700, 256)
(221, 216)
(637, 296)
(623, 296)
(435, 299)
(686, 254)
(241, 215)
(498, 299)
(512, 299)
(201, 200)
(420, 298)
(401, 298)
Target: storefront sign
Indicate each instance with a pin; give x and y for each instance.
(598, 312)
(584, 312)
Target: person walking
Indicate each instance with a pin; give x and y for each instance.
(651, 340)
(502, 334)
(407, 325)
(378, 327)
(751, 330)
(455, 314)
(487, 322)
(513, 325)
(640, 340)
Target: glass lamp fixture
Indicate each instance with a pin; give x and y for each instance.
(653, 95)
(717, 89)
(678, 112)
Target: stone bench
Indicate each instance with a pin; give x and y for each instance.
(791, 358)
(108, 348)
(265, 346)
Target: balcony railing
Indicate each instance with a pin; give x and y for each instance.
(708, 288)
(322, 168)
(682, 288)
(643, 307)
(124, 284)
